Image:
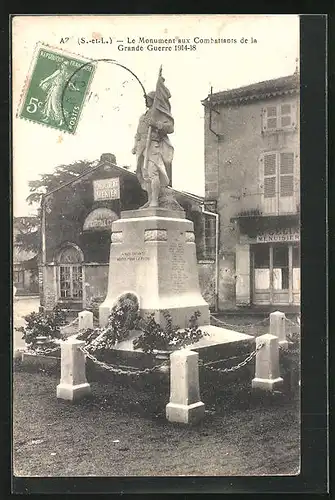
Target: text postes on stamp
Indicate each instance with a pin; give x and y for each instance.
(57, 88)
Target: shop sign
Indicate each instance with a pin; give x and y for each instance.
(106, 189)
(100, 219)
(278, 236)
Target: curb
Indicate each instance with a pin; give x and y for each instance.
(26, 297)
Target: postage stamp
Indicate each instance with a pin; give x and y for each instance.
(56, 89)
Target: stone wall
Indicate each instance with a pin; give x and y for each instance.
(227, 282)
(206, 272)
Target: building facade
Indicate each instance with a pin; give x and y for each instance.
(25, 266)
(252, 178)
(76, 231)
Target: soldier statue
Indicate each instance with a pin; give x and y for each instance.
(153, 149)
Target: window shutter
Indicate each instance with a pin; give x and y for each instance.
(294, 117)
(277, 117)
(269, 175)
(271, 117)
(285, 115)
(286, 171)
(263, 118)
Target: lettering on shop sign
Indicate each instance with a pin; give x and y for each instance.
(132, 255)
(178, 273)
(106, 189)
(277, 236)
(100, 218)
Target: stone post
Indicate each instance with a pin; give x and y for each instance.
(73, 384)
(267, 375)
(85, 320)
(185, 405)
(277, 327)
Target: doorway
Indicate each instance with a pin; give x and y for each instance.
(70, 277)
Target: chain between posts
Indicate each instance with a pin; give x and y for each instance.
(120, 371)
(249, 325)
(73, 322)
(102, 364)
(208, 366)
(247, 360)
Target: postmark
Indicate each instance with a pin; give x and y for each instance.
(56, 89)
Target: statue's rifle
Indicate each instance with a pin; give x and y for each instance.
(147, 144)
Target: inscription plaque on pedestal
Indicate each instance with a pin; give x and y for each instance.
(178, 273)
(156, 260)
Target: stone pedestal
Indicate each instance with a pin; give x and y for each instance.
(277, 327)
(85, 320)
(185, 405)
(153, 254)
(267, 376)
(73, 384)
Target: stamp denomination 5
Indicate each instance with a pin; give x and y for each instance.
(57, 88)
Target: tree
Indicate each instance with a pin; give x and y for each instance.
(28, 237)
(27, 233)
(61, 175)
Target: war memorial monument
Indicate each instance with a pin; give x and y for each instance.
(153, 251)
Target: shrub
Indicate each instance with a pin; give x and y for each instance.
(156, 337)
(125, 317)
(46, 324)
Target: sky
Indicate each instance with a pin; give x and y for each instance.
(115, 101)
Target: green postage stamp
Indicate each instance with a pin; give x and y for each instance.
(56, 89)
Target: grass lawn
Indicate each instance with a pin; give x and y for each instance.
(122, 431)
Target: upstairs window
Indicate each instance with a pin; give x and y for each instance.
(209, 237)
(206, 246)
(277, 171)
(279, 117)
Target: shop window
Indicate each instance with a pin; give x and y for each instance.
(296, 268)
(280, 267)
(296, 256)
(261, 256)
(276, 276)
(261, 267)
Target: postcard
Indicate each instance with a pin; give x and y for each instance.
(156, 245)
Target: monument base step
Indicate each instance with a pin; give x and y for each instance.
(216, 336)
